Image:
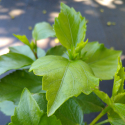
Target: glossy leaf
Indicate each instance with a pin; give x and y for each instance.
(7, 107)
(114, 118)
(103, 61)
(23, 39)
(63, 78)
(90, 103)
(27, 112)
(118, 86)
(12, 85)
(43, 30)
(25, 50)
(70, 113)
(13, 61)
(103, 96)
(52, 120)
(70, 27)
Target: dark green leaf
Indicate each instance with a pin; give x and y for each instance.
(41, 101)
(13, 61)
(27, 112)
(118, 86)
(70, 27)
(23, 39)
(12, 85)
(70, 113)
(52, 120)
(7, 107)
(43, 30)
(25, 50)
(63, 78)
(103, 61)
(90, 103)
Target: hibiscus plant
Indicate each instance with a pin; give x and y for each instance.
(59, 86)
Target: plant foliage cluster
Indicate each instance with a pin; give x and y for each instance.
(64, 84)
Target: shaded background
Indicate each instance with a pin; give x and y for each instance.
(16, 16)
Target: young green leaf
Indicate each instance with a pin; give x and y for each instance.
(70, 27)
(23, 39)
(120, 98)
(70, 113)
(12, 85)
(57, 50)
(90, 103)
(13, 61)
(7, 107)
(43, 30)
(103, 61)
(63, 78)
(27, 112)
(120, 110)
(25, 50)
(52, 120)
(103, 96)
(118, 86)
(114, 118)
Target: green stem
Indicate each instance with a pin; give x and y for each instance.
(103, 122)
(103, 112)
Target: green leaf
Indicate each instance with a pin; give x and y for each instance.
(52, 120)
(23, 39)
(41, 101)
(120, 98)
(103, 96)
(63, 78)
(120, 110)
(12, 85)
(57, 50)
(13, 61)
(70, 113)
(90, 103)
(114, 118)
(103, 61)
(43, 30)
(7, 107)
(118, 86)
(27, 112)
(70, 27)
(25, 50)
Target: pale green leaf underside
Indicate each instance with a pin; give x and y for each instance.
(70, 27)
(25, 50)
(70, 113)
(12, 85)
(27, 112)
(63, 79)
(90, 103)
(13, 61)
(7, 107)
(103, 61)
(43, 30)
